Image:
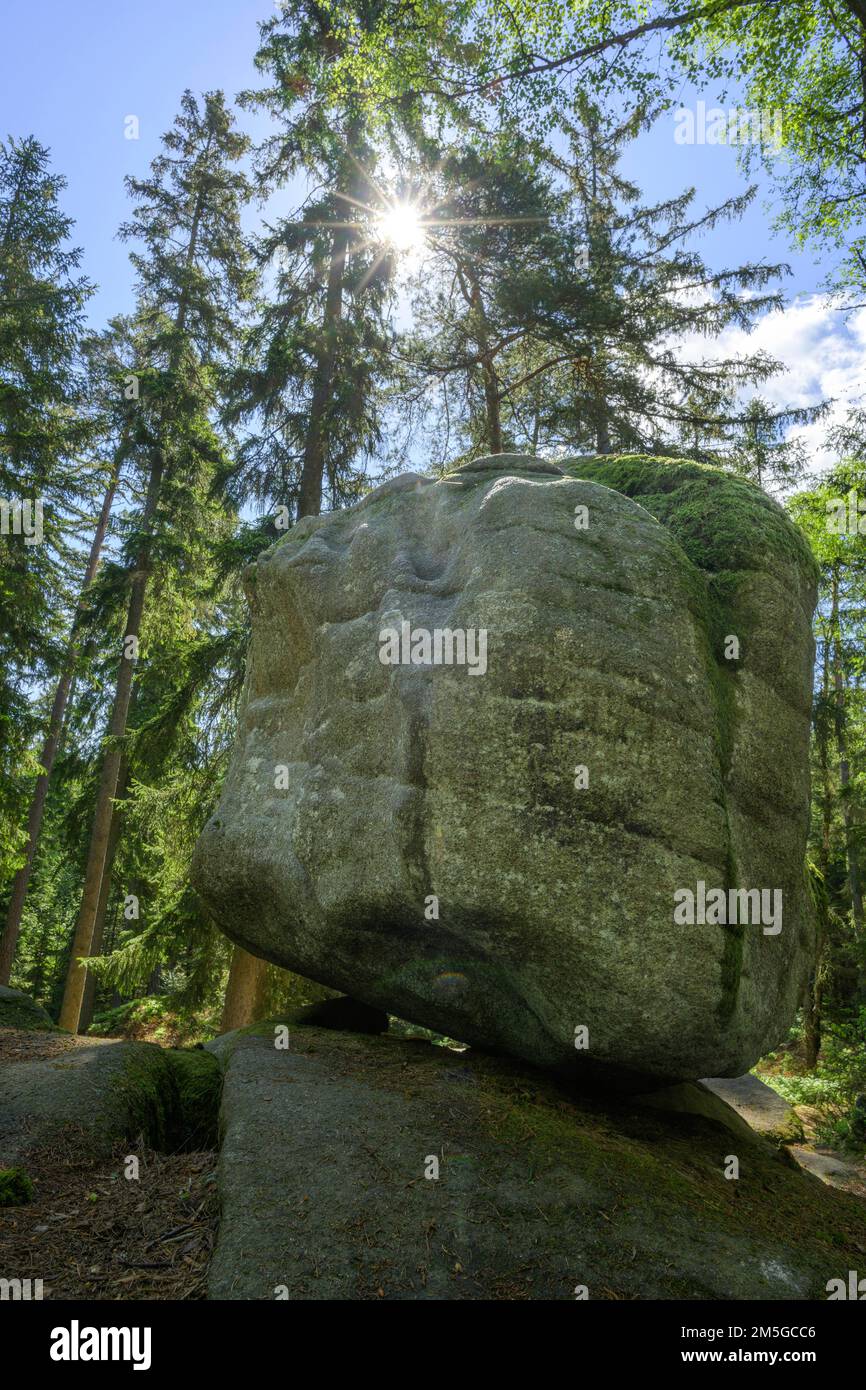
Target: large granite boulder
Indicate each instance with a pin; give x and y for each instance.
(501, 846)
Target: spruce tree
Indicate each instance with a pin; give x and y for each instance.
(44, 478)
(109, 406)
(585, 297)
(192, 268)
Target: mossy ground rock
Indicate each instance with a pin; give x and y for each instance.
(101, 1091)
(361, 792)
(197, 1083)
(92, 1095)
(324, 1194)
(18, 1010)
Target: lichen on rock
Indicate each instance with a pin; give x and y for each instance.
(413, 832)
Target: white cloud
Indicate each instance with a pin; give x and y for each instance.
(824, 356)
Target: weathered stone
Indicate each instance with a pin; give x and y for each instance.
(365, 798)
(369, 1168)
(831, 1169)
(102, 1090)
(763, 1109)
(98, 1092)
(744, 1105)
(19, 1010)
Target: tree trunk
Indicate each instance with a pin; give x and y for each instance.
(813, 1013)
(246, 991)
(21, 881)
(488, 371)
(313, 467)
(73, 996)
(89, 1000)
(851, 852)
(491, 399)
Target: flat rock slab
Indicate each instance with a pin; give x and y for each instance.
(98, 1091)
(831, 1169)
(763, 1109)
(324, 1193)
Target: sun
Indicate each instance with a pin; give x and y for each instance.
(401, 226)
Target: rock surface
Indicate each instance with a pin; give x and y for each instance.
(324, 1195)
(831, 1169)
(413, 834)
(744, 1105)
(18, 1010)
(97, 1092)
(763, 1109)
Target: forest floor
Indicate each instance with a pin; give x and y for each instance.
(103, 1238)
(90, 1234)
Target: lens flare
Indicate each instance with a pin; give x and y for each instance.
(401, 226)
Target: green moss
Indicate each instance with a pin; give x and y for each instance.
(16, 1189)
(197, 1083)
(723, 523)
(24, 1014)
(142, 1100)
(657, 1158)
(167, 1098)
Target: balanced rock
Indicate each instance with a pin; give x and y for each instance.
(500, 730)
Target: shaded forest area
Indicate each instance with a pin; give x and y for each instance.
(468, 272)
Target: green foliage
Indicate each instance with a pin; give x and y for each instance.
(546, 309)
(836, 1089)
(16, 1188)
(803, 63)
(42, 437)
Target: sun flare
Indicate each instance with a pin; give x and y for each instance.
(401, 226)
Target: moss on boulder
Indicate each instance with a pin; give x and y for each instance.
(19, 1010)
(197, 1082)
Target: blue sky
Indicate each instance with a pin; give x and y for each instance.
(70, 73)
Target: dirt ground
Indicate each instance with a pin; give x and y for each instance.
(91, 1234)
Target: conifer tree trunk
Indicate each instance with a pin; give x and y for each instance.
(851, 852)
(246, 991)
(9, 941)
(813, 1013)
(107, 790)
(488, 371)
(89, 1000)
(82, 941)
(312, 471)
